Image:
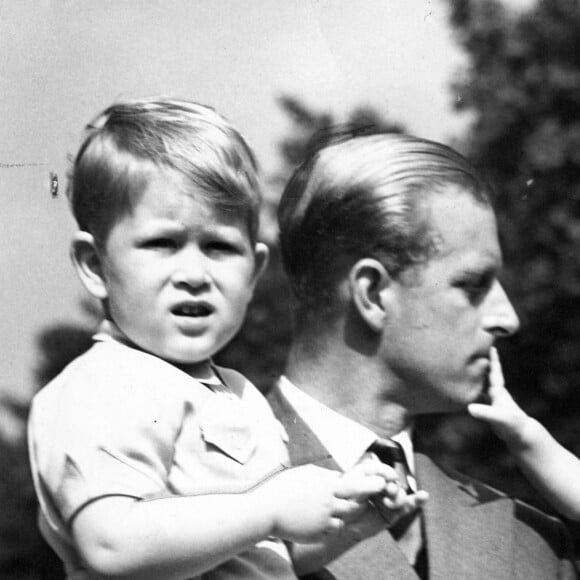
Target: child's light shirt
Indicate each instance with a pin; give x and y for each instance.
(121, 422)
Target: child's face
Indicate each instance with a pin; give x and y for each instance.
(178, 273)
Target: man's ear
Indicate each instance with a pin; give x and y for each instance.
(88, 264)
(368, 281)
(261, 254)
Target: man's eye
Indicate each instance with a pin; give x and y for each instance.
(475, 288)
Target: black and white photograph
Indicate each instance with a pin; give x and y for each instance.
(290, 290)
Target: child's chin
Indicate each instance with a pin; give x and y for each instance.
(187, 358)
(180, 358)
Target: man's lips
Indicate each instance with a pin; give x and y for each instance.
(481, 360)
(484, 353)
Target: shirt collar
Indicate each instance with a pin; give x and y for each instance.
(346, 440)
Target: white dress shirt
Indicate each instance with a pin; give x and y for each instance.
(346, 440)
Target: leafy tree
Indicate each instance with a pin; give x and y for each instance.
(310, 127)
(24, 555)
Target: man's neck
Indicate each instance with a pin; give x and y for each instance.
(349, 383)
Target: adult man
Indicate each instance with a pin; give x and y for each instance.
(391, 247)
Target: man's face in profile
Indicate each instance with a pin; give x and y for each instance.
(446, 313)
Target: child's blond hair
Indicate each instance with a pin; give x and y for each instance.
(126, 140)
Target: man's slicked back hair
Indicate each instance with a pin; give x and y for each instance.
(128, 139)
(364, 196)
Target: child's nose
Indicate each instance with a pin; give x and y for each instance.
(191, 269)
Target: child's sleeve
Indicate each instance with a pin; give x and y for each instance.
(105, 436)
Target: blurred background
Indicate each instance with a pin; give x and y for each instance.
(500, 81)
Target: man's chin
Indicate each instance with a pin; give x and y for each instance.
(477, 395)
(483, 398)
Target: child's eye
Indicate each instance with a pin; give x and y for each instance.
(161, 244)
(222, 247)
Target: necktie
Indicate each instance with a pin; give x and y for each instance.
(407, 531)
(391, 453)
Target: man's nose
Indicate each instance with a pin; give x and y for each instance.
(191, 268)
(501, 318)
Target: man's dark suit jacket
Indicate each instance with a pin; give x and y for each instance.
(472, 531)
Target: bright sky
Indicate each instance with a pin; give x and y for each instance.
(62, 61)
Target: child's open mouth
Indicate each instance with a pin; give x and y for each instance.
(193, 310)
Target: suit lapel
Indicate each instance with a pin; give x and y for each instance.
(373, 559)
(468, 529)
(303, 445)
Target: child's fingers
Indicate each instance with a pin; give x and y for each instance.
(349, 510)
(497, 389)
(369, 466)
(388, 515)
(421, 498)
(396, 500)
(368, 478)
(413, 502)
(499, 395)
(335, 526)
(405, 502)
(502, 407)
(417, 500)
(495, 372)
(393, 489)
(393, 508)
(486, 413)
(359, 487)
(504, 419)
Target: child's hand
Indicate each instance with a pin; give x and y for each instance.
(397, 504)
(352, 517)
(309, 502)
(504, 415)
(392, 504)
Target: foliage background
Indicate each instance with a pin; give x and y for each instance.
(522, 86)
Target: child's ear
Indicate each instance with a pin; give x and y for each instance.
(88, 264)
(261, 254)
(369, 283)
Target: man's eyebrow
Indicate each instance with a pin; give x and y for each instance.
(489, 268)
